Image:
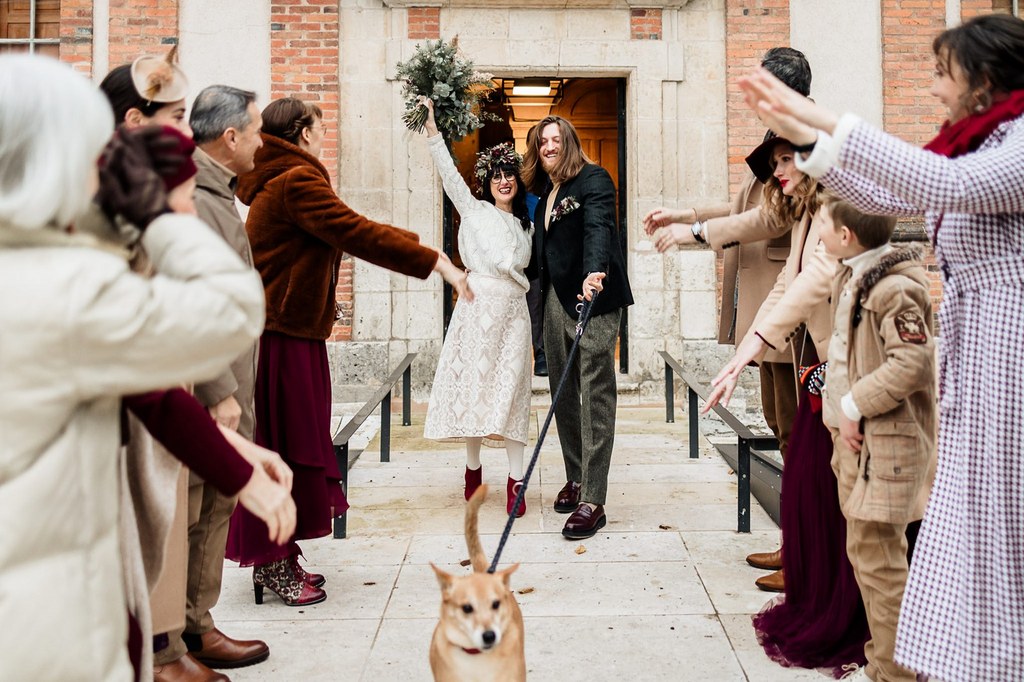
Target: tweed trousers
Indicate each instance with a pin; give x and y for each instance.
(585, 412)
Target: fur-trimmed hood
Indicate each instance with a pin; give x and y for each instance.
(899, 259)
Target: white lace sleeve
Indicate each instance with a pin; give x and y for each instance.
(454, 186)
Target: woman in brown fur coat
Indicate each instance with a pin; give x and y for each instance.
(298, 228)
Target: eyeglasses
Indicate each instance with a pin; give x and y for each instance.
(500, 175)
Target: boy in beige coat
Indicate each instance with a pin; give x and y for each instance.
(880, 404)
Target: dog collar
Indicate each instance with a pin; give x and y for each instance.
(472, 651)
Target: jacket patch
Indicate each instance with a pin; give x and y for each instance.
(911, 327)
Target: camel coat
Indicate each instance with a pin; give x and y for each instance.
(749, 270)
(801, 291)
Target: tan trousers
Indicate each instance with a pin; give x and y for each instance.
(778, 400)
(878, 554)
(209, 516)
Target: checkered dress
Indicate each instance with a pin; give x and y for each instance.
(963, 610)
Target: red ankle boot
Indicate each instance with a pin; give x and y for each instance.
(511, 491)
(474, 477)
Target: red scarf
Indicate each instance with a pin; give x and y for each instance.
(967, 134)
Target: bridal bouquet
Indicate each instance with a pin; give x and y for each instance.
(439, 71)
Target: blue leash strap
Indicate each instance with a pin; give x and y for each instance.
(585, 309)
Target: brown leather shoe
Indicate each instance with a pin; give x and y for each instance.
(767, 561)
(568, 498)
(584, 522)
(186, 669)
(773, 582)
(220, 651)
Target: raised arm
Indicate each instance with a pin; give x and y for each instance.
(986, 181)
(454, 185)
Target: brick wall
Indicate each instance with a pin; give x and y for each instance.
(973, 8)
(141, 27)
(908, 28)
(76, 34)
(424, 23)
(645, 24)
(304, 63)
(751, 28)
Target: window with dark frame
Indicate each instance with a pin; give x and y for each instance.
(30, 26)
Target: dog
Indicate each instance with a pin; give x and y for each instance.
(480, 636)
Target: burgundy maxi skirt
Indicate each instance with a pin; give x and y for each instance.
(820, 620)
(293, 418)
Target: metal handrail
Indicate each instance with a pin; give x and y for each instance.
(745, 438)
(381, 397)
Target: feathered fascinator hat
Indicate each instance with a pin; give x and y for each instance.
(159, 79)
(502, 155)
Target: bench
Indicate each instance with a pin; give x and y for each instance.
(381, 397)
(746, 440)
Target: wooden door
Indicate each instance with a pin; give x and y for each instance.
(15, 22)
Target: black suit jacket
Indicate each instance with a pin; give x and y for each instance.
(582, 241)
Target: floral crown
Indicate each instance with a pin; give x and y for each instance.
(502, 155)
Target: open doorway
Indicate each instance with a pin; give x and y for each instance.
(596, 107)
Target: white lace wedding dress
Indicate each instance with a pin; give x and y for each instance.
(482, 383)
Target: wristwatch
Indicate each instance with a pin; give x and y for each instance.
(697, 229)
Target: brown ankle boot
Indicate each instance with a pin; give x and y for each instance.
(773, 582)
(767, 561)
(474, 477)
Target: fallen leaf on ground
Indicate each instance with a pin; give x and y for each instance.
(525, 590)
(664, 527)
(465, 562)
(581, 549)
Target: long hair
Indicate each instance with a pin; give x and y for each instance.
(990, 51)
(53, 126)
(519, 202)
(287, 117)
(570, 161)
(784, 210)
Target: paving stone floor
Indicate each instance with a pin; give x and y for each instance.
(661, 593)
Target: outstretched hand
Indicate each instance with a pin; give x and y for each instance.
(724, 384)
(788, 113)
(663, 217)
(458, 278)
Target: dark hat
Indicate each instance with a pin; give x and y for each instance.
(760, 160)
(176, 143)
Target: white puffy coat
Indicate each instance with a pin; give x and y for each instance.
(77, 331)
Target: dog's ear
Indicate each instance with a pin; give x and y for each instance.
(507, 573)
(444, 579)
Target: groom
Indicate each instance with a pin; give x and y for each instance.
(576, 246)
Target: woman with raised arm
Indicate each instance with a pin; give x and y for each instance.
(482, 383)
(961, 612)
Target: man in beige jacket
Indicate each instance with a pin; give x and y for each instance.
(226, 125)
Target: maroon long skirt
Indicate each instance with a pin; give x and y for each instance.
(820, 621)
(293, 418)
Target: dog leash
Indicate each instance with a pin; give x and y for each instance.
(585, 309)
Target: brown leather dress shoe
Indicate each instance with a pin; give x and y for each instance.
(220, 651)
(768, 561)
(568, 498)
(584, 522)
(186, 669)
(773, 582)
